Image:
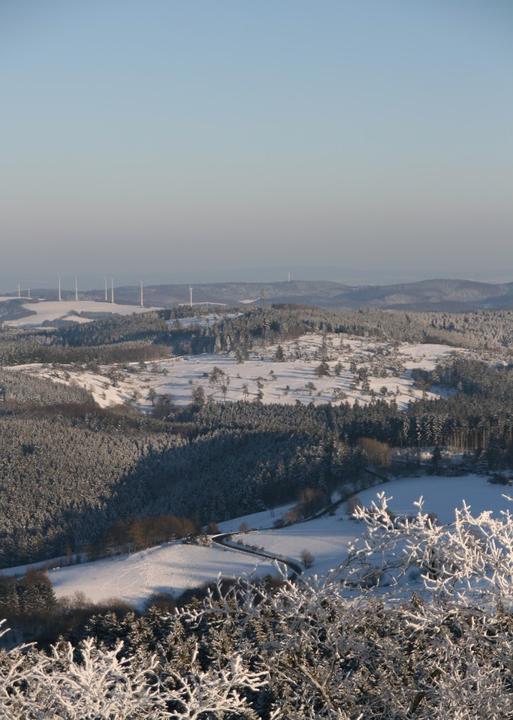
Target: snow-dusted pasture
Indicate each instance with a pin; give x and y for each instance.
(48, 311)
(387, 369)
(171, 568)
(328, 537)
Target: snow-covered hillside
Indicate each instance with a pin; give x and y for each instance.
(174, 567)
(48, 311)
(171, 568)
(356, 370)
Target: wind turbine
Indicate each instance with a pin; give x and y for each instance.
(106, 290)
(76, 289)
(112, 290)
(141, 291)
(60, 294)
(190, 296)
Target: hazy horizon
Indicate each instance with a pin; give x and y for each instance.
(368, 142)
(95, 281)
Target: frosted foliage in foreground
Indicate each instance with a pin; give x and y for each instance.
(471, 558)
(311, 649)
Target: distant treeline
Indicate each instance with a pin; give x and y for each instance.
(136, 336)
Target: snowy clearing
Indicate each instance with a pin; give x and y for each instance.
(357, 370)
(48, 311)
(171, 568)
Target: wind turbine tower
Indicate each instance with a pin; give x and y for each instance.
(106, 290)
(19, 290)
(141, 290)
(76, 289)
(190, 296)
(112, 290)
(290, 276)
(59, 292)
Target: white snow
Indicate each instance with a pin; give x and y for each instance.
(286, 382)
(443, 494)
(327, 537)
(171, 568)
(51, 310)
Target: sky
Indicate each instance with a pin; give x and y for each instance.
(360, 141)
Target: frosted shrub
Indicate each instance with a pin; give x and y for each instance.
(470, 558)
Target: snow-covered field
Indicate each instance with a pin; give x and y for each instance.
(327, 537)
(48, 311)
(358, 370)
(173, 567)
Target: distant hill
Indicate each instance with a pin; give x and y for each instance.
(442, 295)
(431, 295)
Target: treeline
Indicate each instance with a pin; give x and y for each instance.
(130, 328)
(23, 350)
(22, 388)
(133, 535)
(461, 421)
(479, 330)
(126, 338)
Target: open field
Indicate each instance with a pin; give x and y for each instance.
(171, 568)
(356, 370)
(48, 311)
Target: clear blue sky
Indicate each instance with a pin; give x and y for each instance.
(370, 139)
